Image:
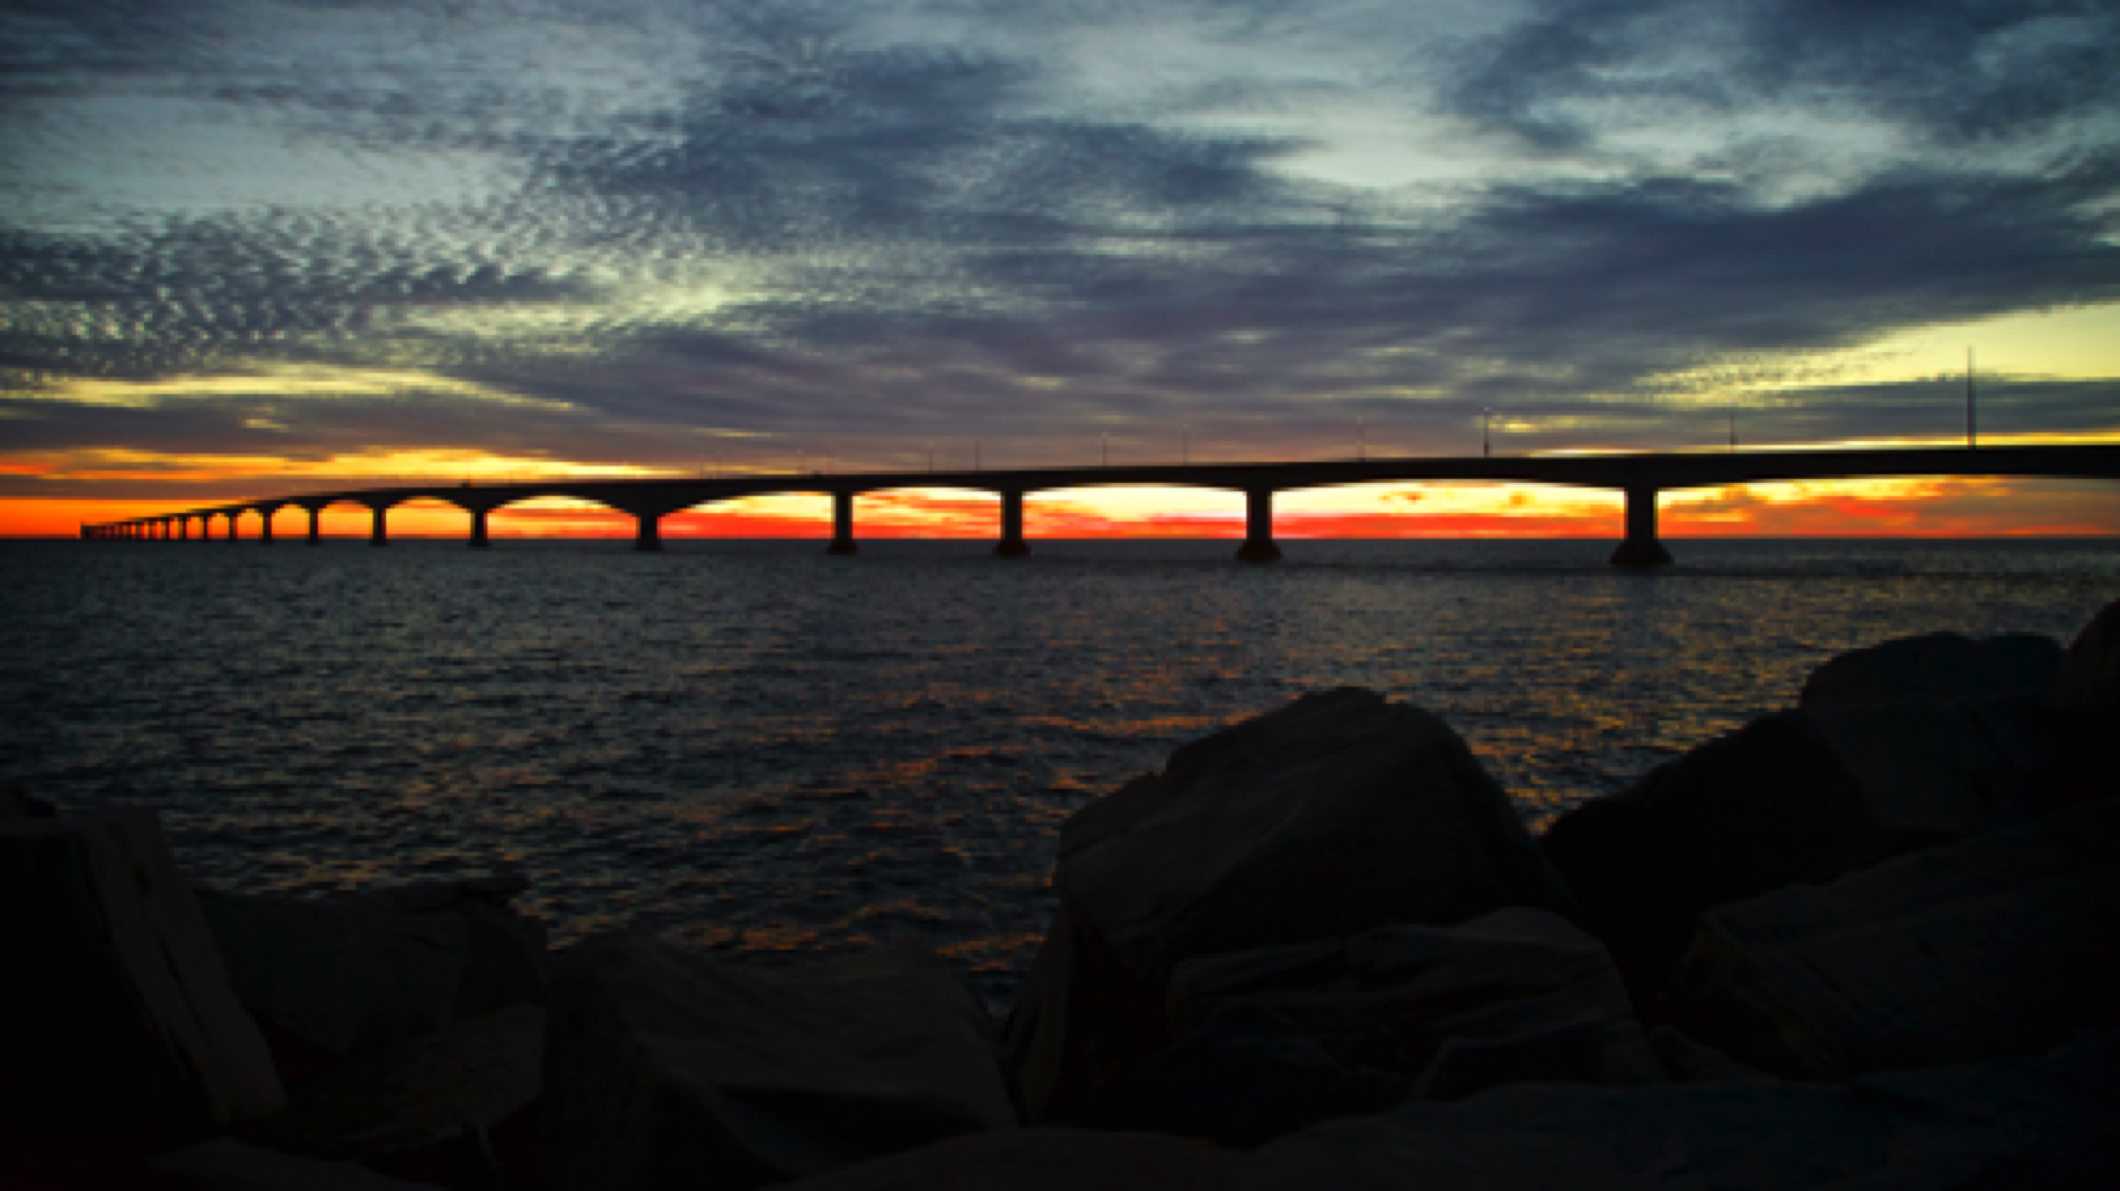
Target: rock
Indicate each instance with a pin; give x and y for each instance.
(1615, 1053)
(664, 1067)
(1936, 668)
(2046, 1122)
(2087, 684)
(224, 1164)
(21, 804)
(471, 1075)
(1994, 947)
(360, 971)
(1687, 1061)
(1335, 814)
(1278, 1038)
(1802, 795)
(117, 1011)
(1046, 1159)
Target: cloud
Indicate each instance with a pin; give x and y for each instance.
(856, 229)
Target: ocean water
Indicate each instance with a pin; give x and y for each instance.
(760, 749)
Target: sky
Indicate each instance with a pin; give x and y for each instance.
(256, 247)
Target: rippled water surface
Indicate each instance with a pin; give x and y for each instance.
(757, 747)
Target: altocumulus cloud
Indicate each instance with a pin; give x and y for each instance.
(648, 231)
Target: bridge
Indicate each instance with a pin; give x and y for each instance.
(1640, 476)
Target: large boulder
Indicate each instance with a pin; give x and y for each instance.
(1936, 668)
(2088, 682)
(1994, 947)
(665, 1067)
(116, 1014)
(424, 1091)
(225, 1164)
(1277, 1038)
(1338, 813)
(1803, 795)
(2046, 1123)
(355, 972)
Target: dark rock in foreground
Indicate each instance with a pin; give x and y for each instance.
(224, 1164)
(2044, 1122)
(2088, 685)
(1798, 796)
(666, 1068)
(1936, 668)
(117, 1021)
(423, 1091)
(1333, 815)
(1271, 1040)
(1997, 946)
(359, 971)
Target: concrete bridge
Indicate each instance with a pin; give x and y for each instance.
(1640, 476)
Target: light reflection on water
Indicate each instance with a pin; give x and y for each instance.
(760, 748)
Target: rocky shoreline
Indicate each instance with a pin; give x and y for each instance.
(1862, 941)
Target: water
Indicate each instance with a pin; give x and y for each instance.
(760, 749)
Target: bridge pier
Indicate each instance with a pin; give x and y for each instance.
(233, 516)
(1258, 527)
(647, 532)
(183, 528)
(1641, 549)
(379, 527)
(478, 530)
(842, 525)
(265, 530)
(316, 527)
(1011, 544)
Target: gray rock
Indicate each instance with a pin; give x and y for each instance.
(2088, 682)
(1391, 997)
(2046, 1123)
(358, 971)
(1278, 1038)
(1615, 1053)
(1803, 795)
(665, 1067)
(115, 1011)
(1687, 1061)
(1045, 1159)
(1335, 814)
(1997, 946)
(1936, 668)
(225, 1164)
(471, 1075)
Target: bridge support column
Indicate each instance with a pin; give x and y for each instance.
(183, 528)
(265, 530)
(233, 516)
(842, 525)
(478, 529)
(1642, 548)
(647, 535)
(379, 528)
(316, 526)
(1258, 544)
(1011, 544)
